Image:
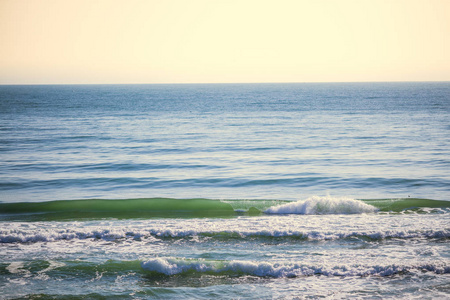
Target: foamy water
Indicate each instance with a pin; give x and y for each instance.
(323, 205)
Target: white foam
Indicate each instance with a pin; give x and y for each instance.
(52, 235)
(153, 235)
(17, 267)
(307, 235)
(323, 205)
(173, 266)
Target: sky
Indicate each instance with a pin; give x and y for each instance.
(213, 41)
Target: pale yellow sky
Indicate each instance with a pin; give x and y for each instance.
(190, 41)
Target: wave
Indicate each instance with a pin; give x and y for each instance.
(166, 266)
(187, 208)
(34, 235)
(306, 235)
(173, 266)
(405, 204)
(122, 209)
(323, 205)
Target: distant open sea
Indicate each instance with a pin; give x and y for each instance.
(227, 191)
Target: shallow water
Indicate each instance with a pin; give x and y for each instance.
(223, 190)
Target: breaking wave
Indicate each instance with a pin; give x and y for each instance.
(323, 205)
(14, 235)
(173, 266)
(204, 208)
(162, 266)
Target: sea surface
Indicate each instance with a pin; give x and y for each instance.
(227, 191)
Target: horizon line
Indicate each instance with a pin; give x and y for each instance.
(250, 82)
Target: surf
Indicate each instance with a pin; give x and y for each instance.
(174, 266)
(170, 267)
(323, 205)
(146, 208)
(120, 209)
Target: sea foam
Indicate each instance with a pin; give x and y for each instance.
(323, 205)
(154, 235)
(174, 266)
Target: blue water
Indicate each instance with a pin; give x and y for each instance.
(353, 162)
(281, 141)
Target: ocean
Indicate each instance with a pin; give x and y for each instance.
(228, 191)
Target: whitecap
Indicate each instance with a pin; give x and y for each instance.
(323, 205)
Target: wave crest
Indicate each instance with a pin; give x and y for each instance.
(174, 266)
(323, 205)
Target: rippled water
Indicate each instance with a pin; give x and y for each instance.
(225, 190)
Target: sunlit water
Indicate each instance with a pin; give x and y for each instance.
(260, 187)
